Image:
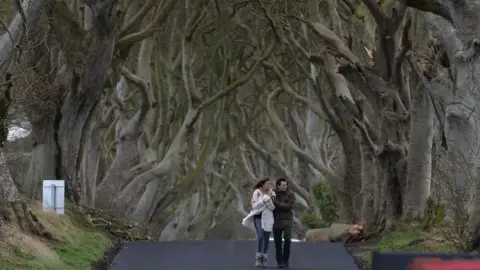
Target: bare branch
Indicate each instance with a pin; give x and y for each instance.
(143, 87)
(151, 28)
(32, 11)
(127, 26)
(327, 172)
(333, 42)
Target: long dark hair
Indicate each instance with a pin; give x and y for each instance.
(260, 183)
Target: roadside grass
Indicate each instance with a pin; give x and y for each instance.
(77, 247)
(403, 239)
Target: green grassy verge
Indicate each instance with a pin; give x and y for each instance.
(77, 248)
(399, 240)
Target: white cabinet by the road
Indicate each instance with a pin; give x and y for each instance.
(54, 196)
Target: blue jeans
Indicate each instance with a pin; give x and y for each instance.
(263, 237)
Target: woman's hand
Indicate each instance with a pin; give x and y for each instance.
(266, 199)
(272, 194)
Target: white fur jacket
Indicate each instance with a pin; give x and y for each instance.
(261, 203)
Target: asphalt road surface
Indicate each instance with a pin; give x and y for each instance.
(223, 255)
(401, 260)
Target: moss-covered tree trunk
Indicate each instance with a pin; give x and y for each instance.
(12, 208)
(42, 107)
(349, 190)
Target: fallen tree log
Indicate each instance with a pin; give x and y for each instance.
(337, 232)
(122, 229)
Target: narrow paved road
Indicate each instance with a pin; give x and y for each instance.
(231, 255)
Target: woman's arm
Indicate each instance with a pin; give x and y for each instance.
(257, 202)
(255, 197)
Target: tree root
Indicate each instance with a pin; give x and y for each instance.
(19, 213)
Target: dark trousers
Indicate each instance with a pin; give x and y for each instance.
(282, 254)
(263, 237)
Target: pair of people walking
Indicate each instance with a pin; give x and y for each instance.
(272, 212)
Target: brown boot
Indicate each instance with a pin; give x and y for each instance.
(258, 260)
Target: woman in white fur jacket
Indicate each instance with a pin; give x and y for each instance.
(261, 219)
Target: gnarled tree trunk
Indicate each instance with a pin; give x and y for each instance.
(42, 160)
(93, 163)
(419, 170)
(78, 108)
(349, 190)
(42, 106)
(367, 213)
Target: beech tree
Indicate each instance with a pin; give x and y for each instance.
(164, 112)
(12, 205)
